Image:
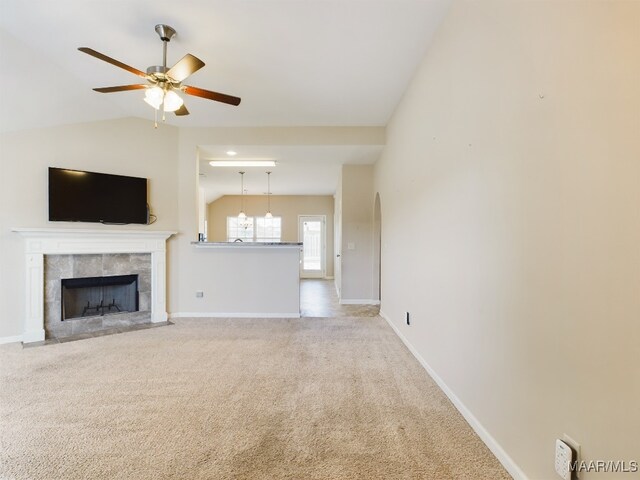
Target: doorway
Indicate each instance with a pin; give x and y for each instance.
(311, 232)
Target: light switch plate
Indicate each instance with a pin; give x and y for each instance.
(564, 457)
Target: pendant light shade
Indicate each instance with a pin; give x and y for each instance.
(268, 214)
(242, 215)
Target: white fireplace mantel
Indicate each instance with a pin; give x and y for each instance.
(65, 241)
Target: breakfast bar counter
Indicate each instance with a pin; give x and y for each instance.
(244, 279)
(247, 244)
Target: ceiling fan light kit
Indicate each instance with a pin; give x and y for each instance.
(163, 83)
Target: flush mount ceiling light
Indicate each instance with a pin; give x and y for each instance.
(242, 163)
(231, 153)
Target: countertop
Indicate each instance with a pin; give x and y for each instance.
(246, 244)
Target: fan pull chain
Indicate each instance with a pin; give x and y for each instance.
(155, 118)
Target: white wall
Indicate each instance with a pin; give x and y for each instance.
(510, 194)
(244, 281)
(357, 230)
(337, 227)
(125, 147)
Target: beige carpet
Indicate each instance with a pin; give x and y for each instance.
(337, 398)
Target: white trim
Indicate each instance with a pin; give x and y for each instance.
(15, 338)
(323, 247)
(502, 456)
(232, 315)
(71, 241)
(362, 301)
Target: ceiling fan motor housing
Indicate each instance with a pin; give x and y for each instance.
(166, 32)
(157, 70)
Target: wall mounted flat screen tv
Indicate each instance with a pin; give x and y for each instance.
(77, 196)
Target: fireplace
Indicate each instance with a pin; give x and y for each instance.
(87, 297)
(88, 293)
(52, 254)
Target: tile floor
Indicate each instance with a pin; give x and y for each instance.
(318, 298)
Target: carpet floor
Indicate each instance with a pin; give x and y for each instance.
(336, 398)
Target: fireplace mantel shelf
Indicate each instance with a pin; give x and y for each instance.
(73, 241)
(65, 232)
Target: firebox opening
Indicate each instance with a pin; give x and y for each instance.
(97, 296)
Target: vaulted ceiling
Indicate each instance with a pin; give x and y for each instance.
(293, 62)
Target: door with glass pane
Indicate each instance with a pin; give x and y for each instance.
(311, 234)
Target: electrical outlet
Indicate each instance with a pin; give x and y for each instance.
(406, 316)
(199, 294)
(564, 459)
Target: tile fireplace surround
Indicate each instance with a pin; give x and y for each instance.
(57, 241)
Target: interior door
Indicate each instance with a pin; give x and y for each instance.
(312, 235)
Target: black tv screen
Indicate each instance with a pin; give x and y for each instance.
(77, 196)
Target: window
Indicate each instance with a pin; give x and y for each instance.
(254, 229)
(268, 229)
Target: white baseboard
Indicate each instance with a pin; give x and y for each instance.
(502, 456)
(13, 339)
(366, 301)
(31, 336)
(232, 315)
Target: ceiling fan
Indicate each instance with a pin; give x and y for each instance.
(162, 82)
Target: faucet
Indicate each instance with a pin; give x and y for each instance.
(237, 240)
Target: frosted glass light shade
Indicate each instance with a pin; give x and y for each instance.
(172, 101)
(268, 215)
(153, 96)
(242, 215)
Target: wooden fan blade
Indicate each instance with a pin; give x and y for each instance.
(120, 88)
(185, 67)
(182, 111)
(218, 97)
(112, 61)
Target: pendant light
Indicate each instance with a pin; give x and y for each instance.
(242, 215)
(268, 215)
